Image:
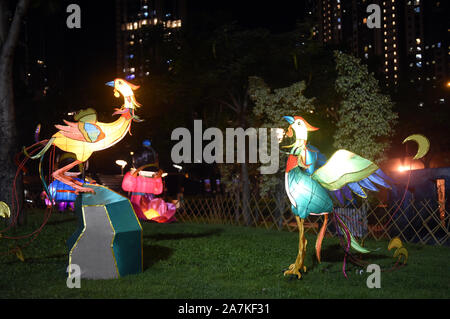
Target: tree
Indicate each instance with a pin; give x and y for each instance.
(9, 38)
(365, 116)
(270, 107)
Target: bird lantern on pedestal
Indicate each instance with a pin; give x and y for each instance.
(108, 242)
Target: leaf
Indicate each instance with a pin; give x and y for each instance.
(19, 254)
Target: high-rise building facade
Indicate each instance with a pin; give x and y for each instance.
(141, 25)
(427, 49)
(411, 42)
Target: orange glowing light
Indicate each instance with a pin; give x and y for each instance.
(403, 168)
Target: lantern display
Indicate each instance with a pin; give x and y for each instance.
(108, 241)
(144, 185)
(310, 184)
(141, 184)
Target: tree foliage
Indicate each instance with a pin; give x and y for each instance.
(365, 115)
(270, 107)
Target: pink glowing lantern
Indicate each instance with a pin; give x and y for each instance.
(141, 184)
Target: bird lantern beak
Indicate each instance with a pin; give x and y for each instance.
(110, 83)
(309, 127)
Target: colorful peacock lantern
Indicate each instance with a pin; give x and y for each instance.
(310, 184)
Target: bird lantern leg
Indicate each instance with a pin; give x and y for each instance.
(60, 176)
(298, 266)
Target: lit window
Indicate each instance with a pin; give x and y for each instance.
(418, 40)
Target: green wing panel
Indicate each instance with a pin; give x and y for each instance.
(342, 168)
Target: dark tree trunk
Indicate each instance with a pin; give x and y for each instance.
(9, 37)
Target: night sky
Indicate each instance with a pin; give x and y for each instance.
(82, 60)
(89, 52)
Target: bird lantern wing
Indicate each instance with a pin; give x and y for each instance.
(85, 130)
(346, 172)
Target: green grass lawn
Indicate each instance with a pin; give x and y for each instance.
(220, 261)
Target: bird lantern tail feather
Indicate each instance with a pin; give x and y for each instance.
(353, 243)
(320, 237)
(41, 152)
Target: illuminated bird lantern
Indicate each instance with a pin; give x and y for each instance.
(108, 242)
(311, 182)
(87, 135)
(309, 186)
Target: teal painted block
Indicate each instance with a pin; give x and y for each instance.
(108, 241)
